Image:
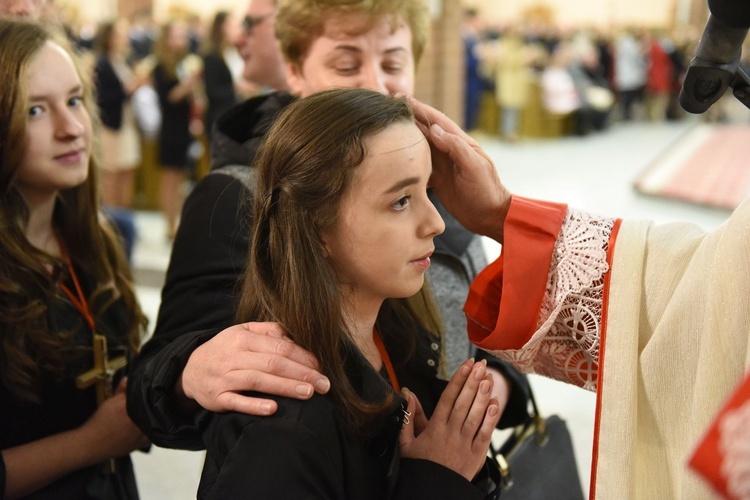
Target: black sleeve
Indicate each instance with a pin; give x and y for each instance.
(151, 402)
(208, 258)
(425, 479)
(517, 410)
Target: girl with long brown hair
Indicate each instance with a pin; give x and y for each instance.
(65, 286)
(342, 234)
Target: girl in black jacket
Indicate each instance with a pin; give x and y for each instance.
(342, 235)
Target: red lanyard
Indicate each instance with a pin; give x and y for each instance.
(386, 360)
(78, 299)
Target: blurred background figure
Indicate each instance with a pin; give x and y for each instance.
(176, 79)
(196, 33)
(218, 78)
(470, 33)
(118, 137)
(559, 92)
(659, 77)
(511, 59)
(630, 73)
(142, 36)
(592, 86)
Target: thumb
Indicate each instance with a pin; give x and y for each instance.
(406, 437)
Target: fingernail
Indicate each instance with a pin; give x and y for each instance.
(323, 385)
(479, 372)
(304, 390)
(404, 391)
(266, 408)
(492, 410)
(437, 130)
(465, 370)
(484, 387)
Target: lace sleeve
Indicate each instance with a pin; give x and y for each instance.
(565, 345)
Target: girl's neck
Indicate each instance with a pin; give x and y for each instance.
(360, 321)
(40, 231)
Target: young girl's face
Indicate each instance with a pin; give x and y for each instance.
(58, 127)
(381, 245)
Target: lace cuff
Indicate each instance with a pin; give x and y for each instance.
(565, 345)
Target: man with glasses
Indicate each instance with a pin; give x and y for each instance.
(259, 49)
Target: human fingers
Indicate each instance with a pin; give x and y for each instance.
(265, 328)
(418, 417)
(271, 338)
(252, 372)
(428, 116)
(237, 348)
(464, 153)
(253, 366)
(466, 397)
(478, 409)
(266, 381)
(500, 387)
(233, 401)
(489, 422)
(452, 390)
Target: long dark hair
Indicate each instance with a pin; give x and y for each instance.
(26, 287)
(306, 165)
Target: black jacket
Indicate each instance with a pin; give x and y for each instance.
(304, 451)
(209, 257)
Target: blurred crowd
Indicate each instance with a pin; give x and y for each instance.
(537, 79)
(160, 87)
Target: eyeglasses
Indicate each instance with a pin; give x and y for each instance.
(250, 22)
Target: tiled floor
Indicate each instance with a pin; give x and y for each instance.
(595, 173)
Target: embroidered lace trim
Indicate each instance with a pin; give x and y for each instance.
(565, 345)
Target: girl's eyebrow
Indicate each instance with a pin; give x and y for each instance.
(409, 181)
(42, 97)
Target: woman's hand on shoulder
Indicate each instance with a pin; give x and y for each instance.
(250, 357)
(458, 434)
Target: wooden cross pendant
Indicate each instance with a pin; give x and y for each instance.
(102, 375)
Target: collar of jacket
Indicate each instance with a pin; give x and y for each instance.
(238, 132)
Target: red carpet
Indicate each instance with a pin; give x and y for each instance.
(709, 165)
